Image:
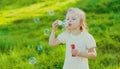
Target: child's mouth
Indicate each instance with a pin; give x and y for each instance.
(69, 24)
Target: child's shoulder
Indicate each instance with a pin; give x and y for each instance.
(86, 34)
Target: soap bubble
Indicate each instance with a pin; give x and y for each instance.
(51, 12)
(59, 22)
(36, 19)
(32, 60)
(63, 23)
(40, 48)
(46, 32)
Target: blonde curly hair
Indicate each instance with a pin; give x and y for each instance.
(81, 13)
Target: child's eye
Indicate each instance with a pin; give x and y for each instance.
(67, 18)
(73, 19)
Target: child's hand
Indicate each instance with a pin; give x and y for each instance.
(75, 52)
(55, 25)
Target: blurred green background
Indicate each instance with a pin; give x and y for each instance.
(25, 26)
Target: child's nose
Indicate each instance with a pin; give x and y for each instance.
(69, 21)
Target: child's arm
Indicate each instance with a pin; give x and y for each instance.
(91, 53)
(90, 45)
(52, 40)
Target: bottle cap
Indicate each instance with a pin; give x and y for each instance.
(73, 46)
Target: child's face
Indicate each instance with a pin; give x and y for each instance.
(73, 20)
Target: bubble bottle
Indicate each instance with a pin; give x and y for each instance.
(73, 47)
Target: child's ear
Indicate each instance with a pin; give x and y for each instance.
(81, 24)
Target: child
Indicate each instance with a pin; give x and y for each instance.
(75, 34)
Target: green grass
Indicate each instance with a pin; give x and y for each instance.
(20, 35)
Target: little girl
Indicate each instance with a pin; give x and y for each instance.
(75, 34)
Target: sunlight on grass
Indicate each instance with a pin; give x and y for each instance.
(38, 9)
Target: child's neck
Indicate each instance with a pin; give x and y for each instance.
(75, 31)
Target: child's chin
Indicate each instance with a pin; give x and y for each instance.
(69, 27)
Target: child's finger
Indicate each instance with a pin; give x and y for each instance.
(57, 21)
(55, 24)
